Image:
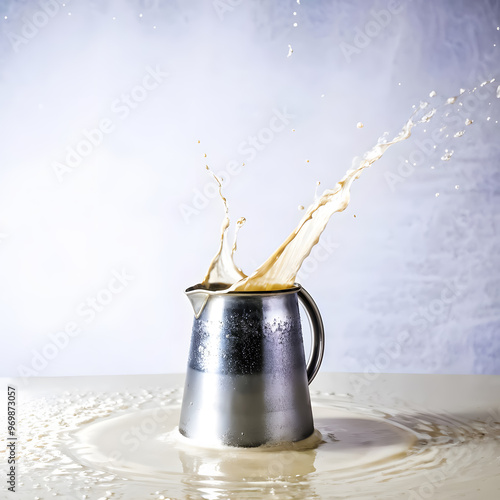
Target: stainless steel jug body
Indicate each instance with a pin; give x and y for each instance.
(247, 380)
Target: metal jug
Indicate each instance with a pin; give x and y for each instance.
(247, 379)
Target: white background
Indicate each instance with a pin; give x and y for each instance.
(382, 277)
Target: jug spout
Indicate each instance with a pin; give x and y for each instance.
(198, 300)
(199, 295)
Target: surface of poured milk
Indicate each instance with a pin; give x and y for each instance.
(116, 438)
(279, 271)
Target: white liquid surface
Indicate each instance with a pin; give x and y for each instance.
(343, 442)
(126, 445)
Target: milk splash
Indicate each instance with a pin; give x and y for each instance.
(279, 271)
(222, 269)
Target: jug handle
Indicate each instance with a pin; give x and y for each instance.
(317, 334)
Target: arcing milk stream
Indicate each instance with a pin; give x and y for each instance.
(280, 269)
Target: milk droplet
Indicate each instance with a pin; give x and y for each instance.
(433, 94)
(301, 207)
(447, 155)
(437, 194)
(498, 91)
(359, 125)
(295, 25)
(451, 100)
(457, 186)
(428, 116)
(290, 50)
(488, 118)
(468, 121)
(459, 133)
(295, 13)
(462, 91)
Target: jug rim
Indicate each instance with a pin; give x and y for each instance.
(220, 289)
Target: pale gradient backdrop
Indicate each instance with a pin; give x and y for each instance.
(102, 230)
